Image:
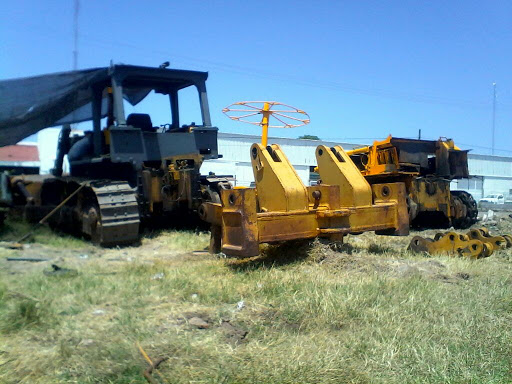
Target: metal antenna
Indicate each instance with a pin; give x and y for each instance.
(249, 112)
(75, 34)
(493, 114)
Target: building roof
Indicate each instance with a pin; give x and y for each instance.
(306, 142)
(284, 140)
(19, 153)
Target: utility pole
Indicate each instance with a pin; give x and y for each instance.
(493, 114)
(419, 134)
(75, 34)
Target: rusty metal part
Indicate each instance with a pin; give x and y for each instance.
(451, 243)
(281, 208)
(508, 239)
(380, 207)
(336, 168)
(497, 242)
(469, 214)
(211, 212)
(152, 366)
(110, 213)
(11, 245)
(20, 186)
(484, 231)
(148, 372)
(427, 168)
(381, 157)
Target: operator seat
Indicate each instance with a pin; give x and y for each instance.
(81, 149)
(141, 121)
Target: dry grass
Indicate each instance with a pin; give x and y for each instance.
(368, 312)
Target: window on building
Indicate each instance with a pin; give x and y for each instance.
(474, 183)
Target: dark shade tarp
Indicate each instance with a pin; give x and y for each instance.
(28, 105)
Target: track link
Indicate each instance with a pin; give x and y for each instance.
(451, 243)
(112, 216)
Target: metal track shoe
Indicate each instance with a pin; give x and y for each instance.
(498, 242)
(451, 243)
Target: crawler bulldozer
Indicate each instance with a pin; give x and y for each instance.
(426, 167)
(123, 172)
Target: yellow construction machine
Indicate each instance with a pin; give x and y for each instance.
(282, 208)
(427, 168)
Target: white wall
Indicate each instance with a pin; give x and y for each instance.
(497, 185)
(485, 165)
(47, 140)
(235, 150)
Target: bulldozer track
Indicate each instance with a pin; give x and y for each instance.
(471, 210)
(113, 219)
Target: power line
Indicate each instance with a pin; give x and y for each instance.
(315, 83)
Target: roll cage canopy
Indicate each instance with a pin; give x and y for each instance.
(28, 105)
(166, 81)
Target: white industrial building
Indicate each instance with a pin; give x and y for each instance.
(235, 151)
(490, 174)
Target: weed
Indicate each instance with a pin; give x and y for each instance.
(379, 249)
(24, 312)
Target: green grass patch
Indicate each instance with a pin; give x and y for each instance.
(317, 315)
(14, 229)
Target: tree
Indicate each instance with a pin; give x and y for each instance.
(309, 137)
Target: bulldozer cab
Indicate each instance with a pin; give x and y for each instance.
(132, 138)
(134, 86)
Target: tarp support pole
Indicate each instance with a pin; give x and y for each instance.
(203, 100)
(175, 110)
(117, 91)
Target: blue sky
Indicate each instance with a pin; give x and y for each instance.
(361, 69)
